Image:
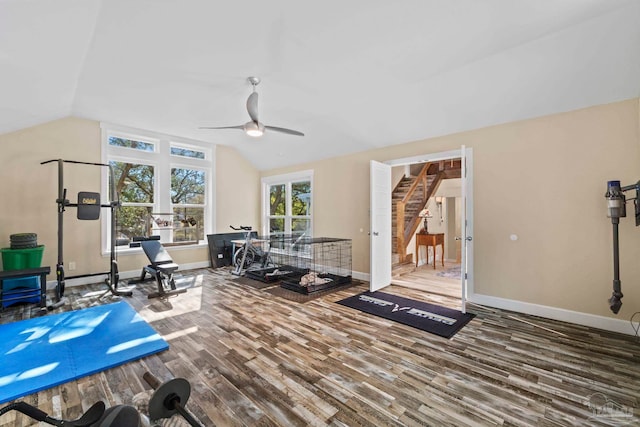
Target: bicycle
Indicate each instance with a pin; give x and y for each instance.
(249, 253)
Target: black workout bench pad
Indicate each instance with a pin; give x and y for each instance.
(88, 205)
(161, 268)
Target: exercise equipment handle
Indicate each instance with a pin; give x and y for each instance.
(151, 380)
(31, 411)
(87, 419)
(242, 227)
(186, 415)
(73, 161)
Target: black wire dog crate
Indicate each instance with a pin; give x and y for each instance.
(278, 258)
(324, 263)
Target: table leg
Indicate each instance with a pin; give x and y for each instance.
(434, 256)
(43, 291)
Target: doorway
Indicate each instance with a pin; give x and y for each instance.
(414, 264)
(382, 257)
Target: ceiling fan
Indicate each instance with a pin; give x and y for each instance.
(254, 127)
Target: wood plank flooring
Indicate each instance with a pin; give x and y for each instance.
(429, 279)
(255, 359)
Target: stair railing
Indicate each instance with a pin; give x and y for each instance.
(405, 230)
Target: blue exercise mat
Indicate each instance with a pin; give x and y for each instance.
(46, 351)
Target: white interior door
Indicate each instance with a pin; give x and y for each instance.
(380, 234)
(466, 249)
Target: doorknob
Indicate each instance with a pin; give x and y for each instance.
(469, 238)
(458, 238)
(375, 233)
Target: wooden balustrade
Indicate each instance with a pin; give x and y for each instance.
(404, 232)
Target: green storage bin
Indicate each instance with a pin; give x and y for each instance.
(21, 259)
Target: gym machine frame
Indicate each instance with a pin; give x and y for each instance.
(616, 209)
(113, 277)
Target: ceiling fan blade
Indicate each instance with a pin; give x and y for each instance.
(222, 127)
(252, 106)
(254, 128)
(284, 130)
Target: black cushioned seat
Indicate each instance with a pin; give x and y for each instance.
(161, 268)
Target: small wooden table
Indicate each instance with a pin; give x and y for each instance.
(423, 239)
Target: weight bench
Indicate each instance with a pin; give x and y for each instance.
(161, 268)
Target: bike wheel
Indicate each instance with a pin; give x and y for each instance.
(237, 259)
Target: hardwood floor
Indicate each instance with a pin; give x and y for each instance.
(435, 281)
(255, 359)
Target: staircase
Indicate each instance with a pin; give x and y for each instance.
(407, 200)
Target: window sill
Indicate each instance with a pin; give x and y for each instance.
(126, 251)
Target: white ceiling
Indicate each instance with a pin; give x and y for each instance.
(352, 75)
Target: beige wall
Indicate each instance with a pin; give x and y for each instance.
(543, 179)
(30, 189)
(237, 191)
(397, 173)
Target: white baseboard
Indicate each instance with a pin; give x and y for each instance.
(360, 276)
(594, 321)
(51, 284)
(584, 319)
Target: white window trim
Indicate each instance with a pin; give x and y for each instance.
(287, 179)
(161, 157)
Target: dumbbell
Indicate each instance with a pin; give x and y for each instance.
(168, 398)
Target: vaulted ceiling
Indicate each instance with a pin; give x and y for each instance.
(352, 75)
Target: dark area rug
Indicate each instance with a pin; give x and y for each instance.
(431, 318)
(256, 284)
(302, 298)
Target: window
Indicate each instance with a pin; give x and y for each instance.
(130, 143)
(287, 203)
(164, 185)
(186, 152)
(188, 200)
(134, 186)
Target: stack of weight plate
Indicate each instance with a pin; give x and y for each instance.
(24, 240)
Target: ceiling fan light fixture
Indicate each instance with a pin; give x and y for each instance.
(254, 129)
(255, 133)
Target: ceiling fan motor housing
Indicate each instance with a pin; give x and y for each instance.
(254, 129)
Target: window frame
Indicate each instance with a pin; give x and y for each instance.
(189, 205)
(287, 180)
(162, 161)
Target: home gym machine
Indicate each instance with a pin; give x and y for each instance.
(616, 209)
(88, 208)
(167, 400)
